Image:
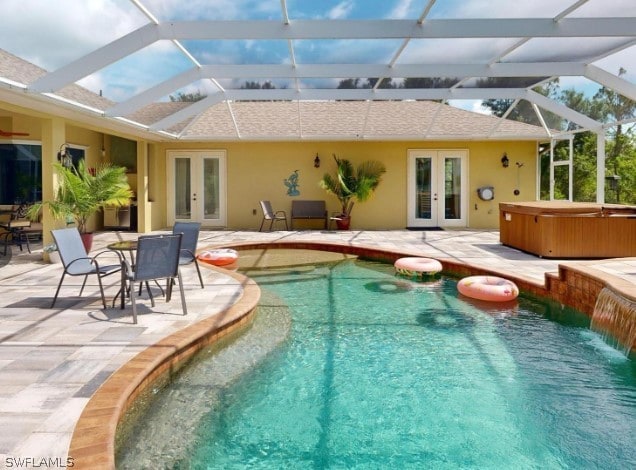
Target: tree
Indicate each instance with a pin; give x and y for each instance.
(188, 97)
(523, 112)
(249, 85)
(429, 82)
(620, 149)
(84, 191)
(348, 84)
(349, 184)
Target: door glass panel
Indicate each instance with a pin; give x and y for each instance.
(211, 193)
(182, 187)
(423, 188)
(452, 188)
(561, 182)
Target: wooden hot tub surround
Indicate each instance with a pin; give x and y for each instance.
(561, 229)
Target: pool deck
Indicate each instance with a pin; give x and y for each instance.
(52, 361)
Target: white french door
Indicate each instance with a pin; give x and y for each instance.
(197, 187)
(437, 188)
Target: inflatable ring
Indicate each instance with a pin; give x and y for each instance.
(220, 257)
(417, 266)
(491, 288)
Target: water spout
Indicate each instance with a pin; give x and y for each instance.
(614, 318)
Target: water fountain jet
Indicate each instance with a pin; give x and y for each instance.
(614, 318)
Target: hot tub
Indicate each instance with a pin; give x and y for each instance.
(561, 229)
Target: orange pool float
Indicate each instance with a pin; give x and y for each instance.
(219, 257)
(491, 288)
(417, 266)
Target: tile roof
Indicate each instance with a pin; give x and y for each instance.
(344, 120)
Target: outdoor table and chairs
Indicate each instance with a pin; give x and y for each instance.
(15, 227)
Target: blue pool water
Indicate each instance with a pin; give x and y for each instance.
(352, 367)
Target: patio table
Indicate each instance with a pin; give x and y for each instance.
(123, 247)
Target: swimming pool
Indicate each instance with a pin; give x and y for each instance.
(348, 366)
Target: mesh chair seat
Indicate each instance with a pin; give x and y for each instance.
(189, 241)
(157, 258)
(272, 216)
(76, 261)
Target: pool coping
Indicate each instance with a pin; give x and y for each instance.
(93, 442)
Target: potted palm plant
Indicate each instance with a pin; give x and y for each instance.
(351, 184)
(83, 192)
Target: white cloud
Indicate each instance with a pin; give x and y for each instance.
(51, 34)
(341, 10)
(475, 106)
(401, 10)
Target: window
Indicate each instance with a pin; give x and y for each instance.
(20, 173)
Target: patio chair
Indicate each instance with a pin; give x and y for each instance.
(157, 259)
(269, 214)
(190, 231)
(76, 261)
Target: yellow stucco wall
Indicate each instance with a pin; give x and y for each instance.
(256, 171)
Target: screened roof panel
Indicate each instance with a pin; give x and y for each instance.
(138, 71)
(50, 35)
(564, 49)
(454, 50)
(344, 51)
(498, 9)
(501, 82)
(129, 56)
(238, 51)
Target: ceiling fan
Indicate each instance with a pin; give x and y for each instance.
(9, 134)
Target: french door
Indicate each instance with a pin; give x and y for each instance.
(197, 187)
(437, 188)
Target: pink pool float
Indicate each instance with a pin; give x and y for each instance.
(491, 288)
(417, 266)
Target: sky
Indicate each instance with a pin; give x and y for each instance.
(51, 33)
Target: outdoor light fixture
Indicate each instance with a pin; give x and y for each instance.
(317, 161)
(505, 161)
(64, 157)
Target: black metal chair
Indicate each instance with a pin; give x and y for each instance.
(190, 231)
(269, 214)
(15, 231)
(157, 258)
(76, 261)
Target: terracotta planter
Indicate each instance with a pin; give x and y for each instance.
(87, 240)
(343, 222)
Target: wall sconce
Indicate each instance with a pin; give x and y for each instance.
(505, 162)
(317, 161)
(64, 157)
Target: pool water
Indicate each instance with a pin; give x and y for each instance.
(349, 366)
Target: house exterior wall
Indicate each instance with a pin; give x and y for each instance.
(257, 170)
